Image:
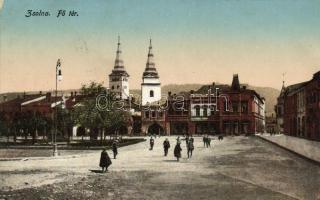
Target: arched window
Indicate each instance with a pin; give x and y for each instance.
(151, 93)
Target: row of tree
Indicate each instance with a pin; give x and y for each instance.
(99, 122)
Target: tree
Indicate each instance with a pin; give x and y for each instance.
(65, 122)
(89, 115)
(3, 125)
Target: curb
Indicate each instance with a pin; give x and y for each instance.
(290, 150)
(68, 156)
(46, 158)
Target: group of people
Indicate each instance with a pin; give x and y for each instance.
(177, 149)
(105, 160)
(206, 141)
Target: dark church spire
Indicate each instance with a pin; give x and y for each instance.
(235, 82)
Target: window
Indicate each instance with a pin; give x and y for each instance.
(153, 114)
(235, 107)
(118, 86)
(197, 111)
(205, 111)
(151, 93)
(112, 87)
(160, 114)
(244, 107)
(147, 114)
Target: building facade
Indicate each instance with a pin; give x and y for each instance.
(214, 109)
(301, 109)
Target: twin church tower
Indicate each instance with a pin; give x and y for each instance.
(150, 86)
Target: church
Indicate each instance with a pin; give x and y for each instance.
(235, 110)
(150, 86)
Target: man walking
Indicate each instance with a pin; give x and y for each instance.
(209, 141)
(204, 139)
(166, 146)
(190, 148)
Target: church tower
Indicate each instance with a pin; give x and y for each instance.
(118, 79)
(150, 87)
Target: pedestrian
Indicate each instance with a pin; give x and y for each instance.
(190, 148)
(166, 146)
(151, 143)
(209, 142)
(177, 151)
(187, 140)
(178, 139)
(191, 139)
(204, 139)
(114, 149)
(105, 160)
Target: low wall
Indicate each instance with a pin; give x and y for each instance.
(307, 148)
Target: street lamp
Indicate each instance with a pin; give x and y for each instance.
(58, 78)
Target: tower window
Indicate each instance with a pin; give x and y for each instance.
(151, 93)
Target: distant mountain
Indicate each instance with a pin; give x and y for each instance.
(270, 94)
(177, 88)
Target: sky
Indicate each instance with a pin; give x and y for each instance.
(193, 41)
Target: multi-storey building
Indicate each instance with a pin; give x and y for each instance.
(301, 109)
(213, 109)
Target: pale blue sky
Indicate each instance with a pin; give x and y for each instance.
(194, 41)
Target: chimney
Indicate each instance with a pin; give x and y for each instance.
(169, 93)
(71, 94)
(4, 98)
(48, 96)
(40, 92)
(213, 84)
(75, 93)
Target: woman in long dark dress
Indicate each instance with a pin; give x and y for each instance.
(177, 151)
(105, 160)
